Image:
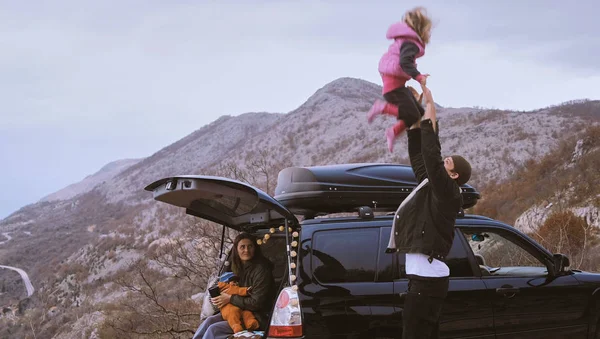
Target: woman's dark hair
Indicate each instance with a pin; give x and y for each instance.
(236, 262)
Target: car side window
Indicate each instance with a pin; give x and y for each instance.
(498, 255)
(457, 261)
(343, 256)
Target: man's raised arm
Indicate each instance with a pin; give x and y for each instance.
(442, 184)
(414, 152)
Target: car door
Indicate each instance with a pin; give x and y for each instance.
(467, 311)
(385, 320)
(343, 291)
(529, 300)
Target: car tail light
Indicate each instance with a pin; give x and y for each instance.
(286, 321)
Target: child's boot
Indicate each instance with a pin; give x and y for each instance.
(390, 136)
(392, 132)
(249, 321)
(251, 325)
(375, 110)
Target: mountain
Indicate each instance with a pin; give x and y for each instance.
(198, 151)
(88, 183)
(79, 243)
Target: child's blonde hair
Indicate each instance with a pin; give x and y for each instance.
(420, 22)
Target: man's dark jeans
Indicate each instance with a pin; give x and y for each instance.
(422, 307)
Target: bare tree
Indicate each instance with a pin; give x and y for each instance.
(260, 171)
(153, 307)
(564, 232)
(159, 288)
(196, 255)
(267, 169)
(230, 169)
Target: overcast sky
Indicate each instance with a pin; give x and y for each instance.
(84, 83)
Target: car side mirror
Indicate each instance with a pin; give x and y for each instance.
(561, 262)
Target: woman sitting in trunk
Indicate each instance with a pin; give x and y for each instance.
(254, 270)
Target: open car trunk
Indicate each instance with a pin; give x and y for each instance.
(225, 201)
(240, 207)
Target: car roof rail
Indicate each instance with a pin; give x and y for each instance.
(476, 216)
(363, 212)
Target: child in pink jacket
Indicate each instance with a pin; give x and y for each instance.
(397, 66)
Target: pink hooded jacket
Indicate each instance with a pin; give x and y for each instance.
(389, 66)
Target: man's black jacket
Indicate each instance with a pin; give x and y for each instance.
(426, 222)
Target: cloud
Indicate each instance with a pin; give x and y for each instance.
(487, 79)
(554, 32)
(86, 83)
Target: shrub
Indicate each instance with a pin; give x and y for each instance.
(563, 232)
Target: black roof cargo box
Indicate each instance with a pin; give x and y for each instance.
(317, 190)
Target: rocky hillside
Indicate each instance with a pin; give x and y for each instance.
(75, 244)
(331, 128)
(555, 199)
(193, 154)
(88, 183)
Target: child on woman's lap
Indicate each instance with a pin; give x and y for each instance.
(233, 314)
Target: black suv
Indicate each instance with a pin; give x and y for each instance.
(336, 281)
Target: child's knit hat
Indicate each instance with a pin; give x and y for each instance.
(226, 277)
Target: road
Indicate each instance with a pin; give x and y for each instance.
(8, 237)
(25, 278)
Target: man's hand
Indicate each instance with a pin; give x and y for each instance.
(430, 108)
(221, 300)
(423, 80)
